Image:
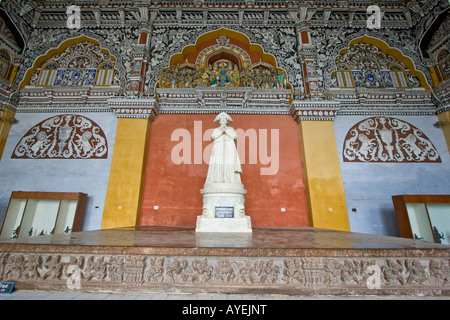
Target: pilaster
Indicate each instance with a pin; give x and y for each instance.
(6, 121)
(325, 188)
(123, 196)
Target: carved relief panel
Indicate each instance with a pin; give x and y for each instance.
(385, 139)
(66, 136)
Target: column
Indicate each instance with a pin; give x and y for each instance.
(6, 120)
(123, 196)
(139, 67)
(308, 59)
(325, 188)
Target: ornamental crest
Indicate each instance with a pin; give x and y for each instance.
(66, 136)
(384, 139)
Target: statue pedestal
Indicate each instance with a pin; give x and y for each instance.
(223, 209)
(223, 224)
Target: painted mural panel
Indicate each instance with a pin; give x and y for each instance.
(385, 139)
(66, 136)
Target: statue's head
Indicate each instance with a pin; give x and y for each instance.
(223, 119)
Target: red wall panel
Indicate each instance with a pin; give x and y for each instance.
(275, 181)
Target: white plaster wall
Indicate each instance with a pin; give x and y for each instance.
(369, 187)
(58, 175)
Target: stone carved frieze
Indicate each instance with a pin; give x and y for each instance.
(298, 274)
(66, 136)
(385, 139)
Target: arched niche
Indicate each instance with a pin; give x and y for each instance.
(383, 58)
(94, 57)
(223, 58)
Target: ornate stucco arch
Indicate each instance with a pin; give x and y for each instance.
(60, 49)
(238, 43)
(388, 51)
(224, 44)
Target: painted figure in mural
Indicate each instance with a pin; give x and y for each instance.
(224, 164)
(222, 73)
(235, 76)
(214, 76)
(204, 82)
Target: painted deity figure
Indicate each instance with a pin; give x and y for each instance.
(214, 75)
(235, 76)
(224, 165)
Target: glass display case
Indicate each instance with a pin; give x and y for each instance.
(423, 217)
(41, 213)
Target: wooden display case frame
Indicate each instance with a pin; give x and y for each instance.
(79, 197)
(401, 212)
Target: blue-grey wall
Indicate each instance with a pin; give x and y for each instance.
(58, 175)
(369, 187)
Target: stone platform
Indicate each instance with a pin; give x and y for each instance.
(301, 261)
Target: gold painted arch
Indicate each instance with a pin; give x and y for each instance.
(238, 39)
(43, 59)
(396, 53)
(223, 53)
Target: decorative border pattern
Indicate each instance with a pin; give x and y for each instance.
(230, 99)
(144, 108)
(314, 110)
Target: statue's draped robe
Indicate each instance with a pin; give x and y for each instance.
(224, 165)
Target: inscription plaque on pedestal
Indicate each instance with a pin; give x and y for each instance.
(224, 212)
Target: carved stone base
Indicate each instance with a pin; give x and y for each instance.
(205, 224)
(300, 262)
(223, 209)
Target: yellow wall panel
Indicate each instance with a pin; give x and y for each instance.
(5, 126)
(122, 204)
(325, 189)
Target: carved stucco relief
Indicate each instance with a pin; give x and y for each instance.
(66, 136)
(385, 139)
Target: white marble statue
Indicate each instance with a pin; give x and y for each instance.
(224, 165)
(223, 194)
